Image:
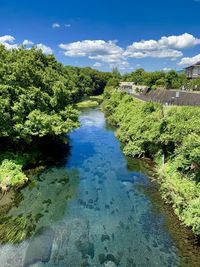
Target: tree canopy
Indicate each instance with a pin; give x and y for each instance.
(37, 93)
(37, 97)
(167, 80)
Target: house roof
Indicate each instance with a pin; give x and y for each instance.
(183, 98)
(194, 65)
(127, 83)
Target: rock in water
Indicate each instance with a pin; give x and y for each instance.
(39, 249)
(105, 237)
(110, 264)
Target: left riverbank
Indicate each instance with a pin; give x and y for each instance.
(38, 97)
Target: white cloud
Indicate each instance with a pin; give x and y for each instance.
(179, 42)
(45, 49)
(7, 38)
(189, 60)
(55, 25)
(166, 69)
(165, 47)
(7, 41)
(171, 42)
(143, 45)
(67, 25)
(108, 52)
(97, 64)
(27, 42)
(168, 53)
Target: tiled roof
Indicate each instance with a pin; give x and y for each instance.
(196, 64)
(171, 97)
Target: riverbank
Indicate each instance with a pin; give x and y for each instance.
(17, 161)
(171, 138)
(38, 97)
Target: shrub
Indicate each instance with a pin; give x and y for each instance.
(11, 175)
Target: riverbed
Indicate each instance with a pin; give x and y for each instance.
(93, 210)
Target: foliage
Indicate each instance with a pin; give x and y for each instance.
(11, 175)
(182, 193)
(149, 129)
(87, 104)
(115, 78)
(37, 96)
(194, 84)
(33, 96)
(168, 80)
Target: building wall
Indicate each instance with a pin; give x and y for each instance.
(193, 72)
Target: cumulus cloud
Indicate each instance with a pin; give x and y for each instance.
(168, 53)
(165, 47)
(55, 25)
(104, 51)
(45, 49)
(27, 43)
(171, 42)
(111, 53)
(7, 38)
(97, 64)
(179, 42)
(189, 60)
(7, 41)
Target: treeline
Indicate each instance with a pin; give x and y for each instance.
(37, 94)
(171, 137)
(157, 79)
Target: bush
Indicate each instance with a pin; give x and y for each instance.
(11, 175)
(149, 129)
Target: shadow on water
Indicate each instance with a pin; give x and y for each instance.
(43, 201)
(40, 204)
(188, 245)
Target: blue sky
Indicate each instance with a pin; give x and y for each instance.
(128, 34)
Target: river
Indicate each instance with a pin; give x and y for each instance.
(94, 209)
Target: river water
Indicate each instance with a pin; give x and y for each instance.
(92, 210)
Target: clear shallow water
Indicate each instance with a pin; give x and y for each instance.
(91, 212)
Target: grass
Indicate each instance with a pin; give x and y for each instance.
(90, 102)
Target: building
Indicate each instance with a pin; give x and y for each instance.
(193, 71)
(131, 87)
(171, 97)
(126, 86)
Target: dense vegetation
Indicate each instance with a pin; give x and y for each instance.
(37, 94)
(170, 136)
(157, 79)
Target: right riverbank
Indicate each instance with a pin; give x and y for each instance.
(170, 137)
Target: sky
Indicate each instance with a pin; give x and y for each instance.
(128, 34)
